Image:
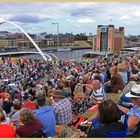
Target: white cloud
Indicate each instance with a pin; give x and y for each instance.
(85, 21)
(137, 14)
(69, 20)
(5, 16)
(76, 14)
(125, 17)
(82, 21)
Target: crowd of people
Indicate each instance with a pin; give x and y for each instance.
(36, 96)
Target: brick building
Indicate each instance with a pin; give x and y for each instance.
(109, 39)
(64, 39)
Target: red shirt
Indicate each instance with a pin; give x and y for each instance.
(29, 105)
(2, 95)
(7, 131)
(27, 130)
(78, 68)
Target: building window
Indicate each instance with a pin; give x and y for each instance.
(104, 41)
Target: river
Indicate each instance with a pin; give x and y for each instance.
(64, 55)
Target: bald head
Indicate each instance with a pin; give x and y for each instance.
(96, 84)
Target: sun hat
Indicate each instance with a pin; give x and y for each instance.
(128, 88)
(134, 92)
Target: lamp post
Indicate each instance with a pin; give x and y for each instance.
(57, 34)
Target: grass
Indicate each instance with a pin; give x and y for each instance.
(113, 96)
(82, 43)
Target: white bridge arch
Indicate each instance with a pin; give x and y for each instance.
(26, 34)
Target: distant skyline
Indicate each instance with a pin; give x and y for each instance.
(73, 17)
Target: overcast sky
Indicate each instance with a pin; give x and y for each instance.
(72, 17)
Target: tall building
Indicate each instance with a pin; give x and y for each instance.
(94, 42)
(109, 39)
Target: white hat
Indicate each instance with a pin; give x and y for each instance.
(135, 92)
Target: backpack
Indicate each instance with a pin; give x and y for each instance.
(77, 121)
(122, 134)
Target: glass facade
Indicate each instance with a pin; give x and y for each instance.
(104, 41)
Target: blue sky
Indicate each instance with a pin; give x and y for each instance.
(74, 17)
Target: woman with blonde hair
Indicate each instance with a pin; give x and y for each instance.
(122, 73)
(28, 124)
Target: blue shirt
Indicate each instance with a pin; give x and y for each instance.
(124, 77)
(102, 77)
(46, 117)
(135, 111)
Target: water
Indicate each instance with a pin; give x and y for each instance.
(65, 55)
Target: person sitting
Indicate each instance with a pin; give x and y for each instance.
(122, 73)
(97, 94)
(61, 87)
(46, 117)
(28, 124)
(116, 83)
(6, 130)
(1, 109)
(4, 120)
(1, 101)
(108, 117)
(27, 102)
(126, 101)
(62, 108)
(16, 112)
(103, 75)
(134, 112)
(7, 103)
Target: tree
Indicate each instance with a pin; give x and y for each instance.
(80, 37)
(133, 38)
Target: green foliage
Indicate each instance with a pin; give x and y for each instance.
(90, 42)
(133, 38)
(80, 37)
